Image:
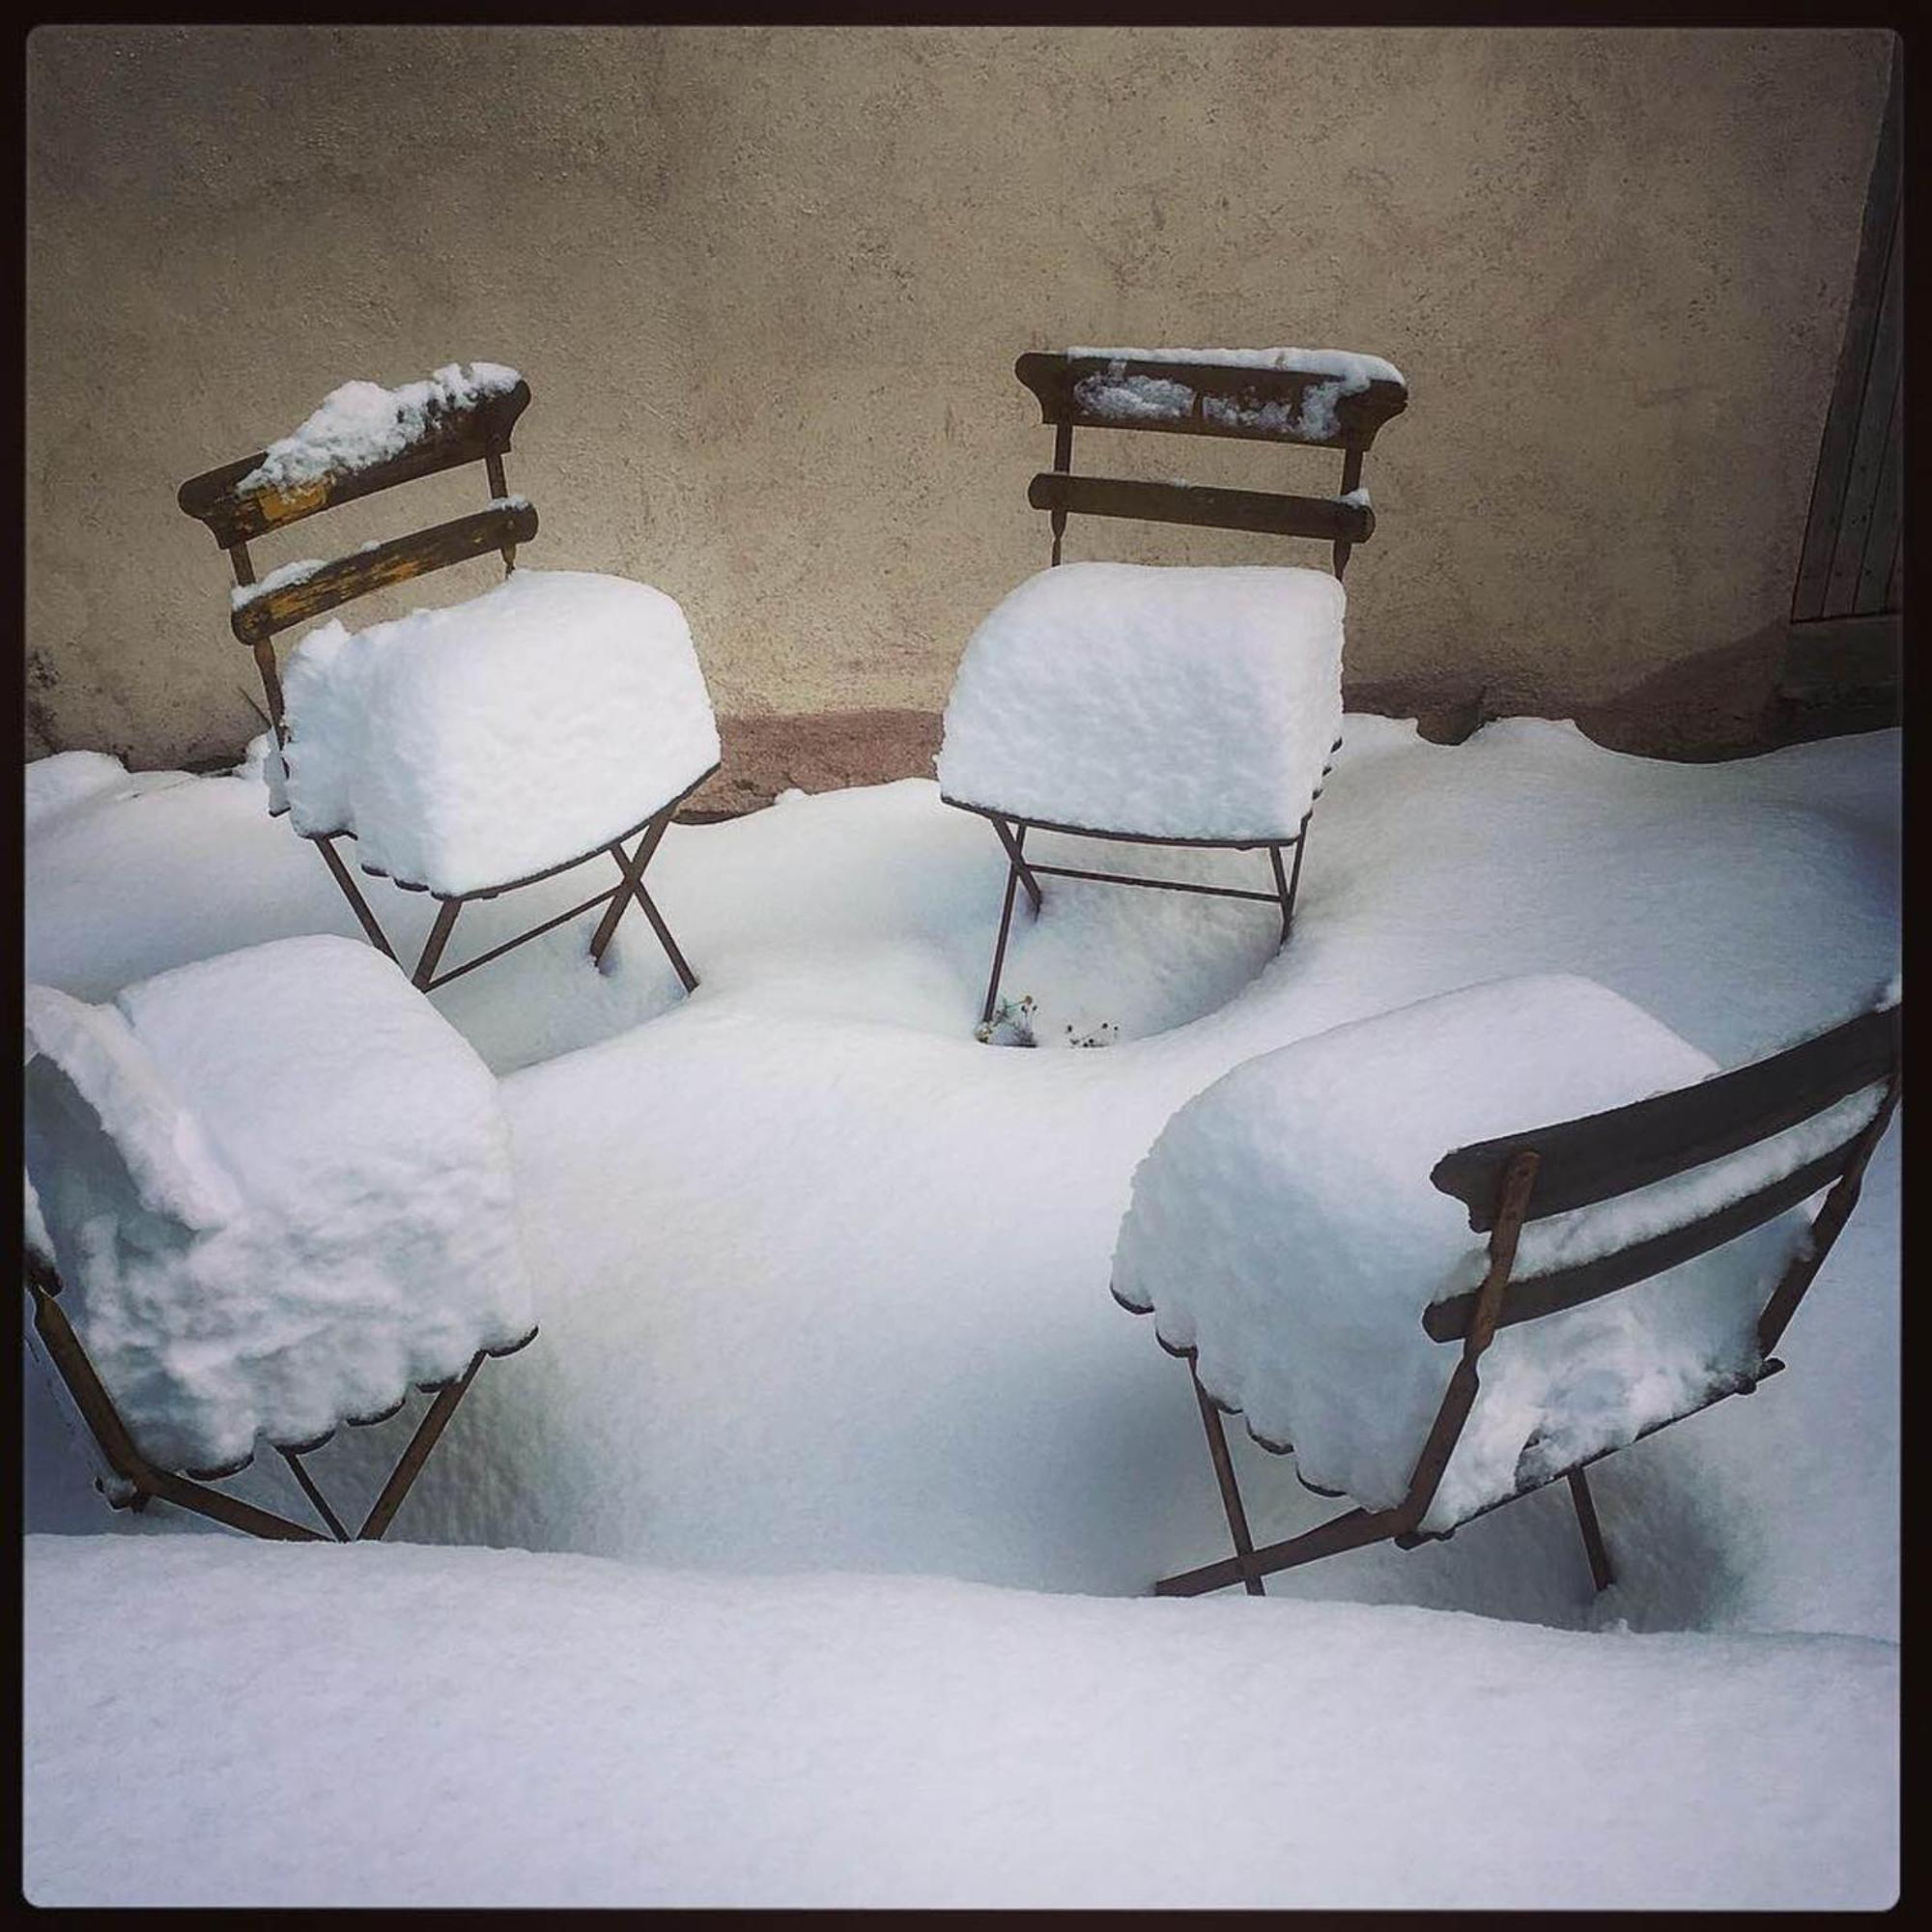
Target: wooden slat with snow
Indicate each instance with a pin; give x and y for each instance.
(235, 515)
(1587, 1161)
(1331, 519)
(272, 611)
(1528, 1297)
(1250, 403)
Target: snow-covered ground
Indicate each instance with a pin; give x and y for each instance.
(823, 1287)
(414, 1727)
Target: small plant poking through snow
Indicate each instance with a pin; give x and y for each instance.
(1012, 1025)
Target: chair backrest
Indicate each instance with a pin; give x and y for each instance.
(1583, 1162)
(1328, 401)
(247, 499)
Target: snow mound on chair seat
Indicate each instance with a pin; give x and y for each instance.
(1285, 1226)
(1164, 701)
(277, 1187)
(482, 743)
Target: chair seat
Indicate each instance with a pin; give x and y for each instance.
(1283, 1227)
(478, 745)
(276, 1188)
(1151, 702)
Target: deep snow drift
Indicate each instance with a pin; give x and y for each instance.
(823, 1284)
(396, 1725)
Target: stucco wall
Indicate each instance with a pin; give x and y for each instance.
(768, 284)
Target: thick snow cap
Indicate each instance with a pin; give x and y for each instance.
(1155, 700)
(480, 744)
(361, 424)
(1284, 1225)
(276, 1185)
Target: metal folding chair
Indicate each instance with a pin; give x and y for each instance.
(236, 511)
(1573, 1164)
(1309, 407)
(144, 1235)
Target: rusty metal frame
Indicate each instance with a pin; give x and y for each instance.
(1355, 1528)
(616, 900)
(1021, 871)
(144, 1482)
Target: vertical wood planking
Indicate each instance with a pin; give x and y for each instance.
(1861, 478)
(1841, 421)
(1881, 547)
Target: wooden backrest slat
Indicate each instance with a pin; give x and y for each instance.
(235, 515)
(1315, 408)
(1587, 1161)
(1533, 1296)
(1328, 517)
(265, 612)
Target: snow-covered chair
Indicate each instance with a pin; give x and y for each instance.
(481, 747)
(1306, 1245)
(268, 1193)
(1169, 706)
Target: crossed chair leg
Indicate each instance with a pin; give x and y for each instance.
(1022, 873)
(616, 901)
(140, 1481)
(1352, 1530)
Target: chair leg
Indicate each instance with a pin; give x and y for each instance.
(97, 1408)
(439, 937)
(1231, 1490)
(631, 868)
(1019, 874)
(1601, 1574)
(317, 1501)
(1013, 839)
(632, 889)
(1295, 878)
(1281, 890)
(345, 879)
(1354, 1529)
(992, 999)
(403, 1476)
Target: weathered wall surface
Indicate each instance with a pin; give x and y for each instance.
(768, 284)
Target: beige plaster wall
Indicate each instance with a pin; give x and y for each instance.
(768, 284)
